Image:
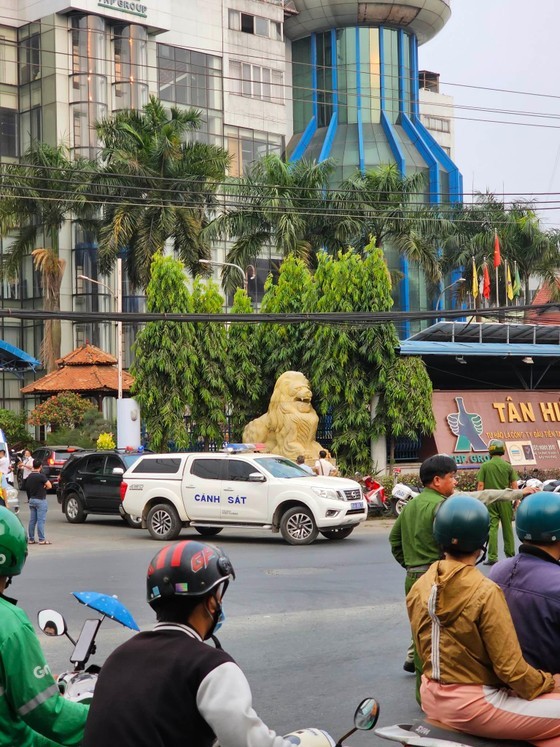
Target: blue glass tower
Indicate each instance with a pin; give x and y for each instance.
(356, 97)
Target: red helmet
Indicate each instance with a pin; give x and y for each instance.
(187, 569)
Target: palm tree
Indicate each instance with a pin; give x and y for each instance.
(156, 186)
(284, 205)
(40, 195)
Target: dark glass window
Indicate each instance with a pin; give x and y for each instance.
(208, 469)
(93, 465)
(30, 59)
(112, 463)
(239, 471)
(165, 465)
(247, 23)
(8, 132)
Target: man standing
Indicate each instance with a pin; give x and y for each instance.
(300, 460)
(323, 466)
(36, 488)
(531, 580)
(497, 474)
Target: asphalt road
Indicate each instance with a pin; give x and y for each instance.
(315, 628)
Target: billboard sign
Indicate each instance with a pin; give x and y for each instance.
(528, 423)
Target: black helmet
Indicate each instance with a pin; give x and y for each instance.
(13, 544)
(187, 569)
(538, 518)
(461, 524)
(496, 447)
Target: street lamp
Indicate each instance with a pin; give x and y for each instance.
(117, 297)
(447, 287)
(244, 273)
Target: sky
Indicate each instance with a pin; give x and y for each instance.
(513, 45)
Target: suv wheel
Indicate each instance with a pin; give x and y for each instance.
(337, 534)
(73, 509)
(133, 521)
(208, 531)
(163, 522)
(298, 526)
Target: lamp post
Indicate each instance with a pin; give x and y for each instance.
(447, 287)
(117, 297)
(244, 273)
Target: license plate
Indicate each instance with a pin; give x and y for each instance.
(401, 493)
(356, 506)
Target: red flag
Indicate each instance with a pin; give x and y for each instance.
(485, 282)
(497, 256)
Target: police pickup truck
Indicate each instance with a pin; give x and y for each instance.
(212, 491)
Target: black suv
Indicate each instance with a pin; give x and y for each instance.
(90, 484)
(53, 459)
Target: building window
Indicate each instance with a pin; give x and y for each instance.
(30, 59)
(256, 82)
(257, 25)
(246, 146)
(8, 133)
(131, 66)
(437, 124)
(30, 128)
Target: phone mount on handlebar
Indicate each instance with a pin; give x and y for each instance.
(85, 645)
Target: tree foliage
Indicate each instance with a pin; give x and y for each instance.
(64, 410)
(157, 185)
(244, 368)
(14, 425)
(166, 358)
(208, 404)
(85, 434)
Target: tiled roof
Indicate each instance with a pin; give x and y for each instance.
(87, 354)
(543, 295)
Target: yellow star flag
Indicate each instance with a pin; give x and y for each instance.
(509, 285)
(474, 279)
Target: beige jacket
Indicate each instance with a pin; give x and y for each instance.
(464, 633)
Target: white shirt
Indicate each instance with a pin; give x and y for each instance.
(324, 467)
(4, 465)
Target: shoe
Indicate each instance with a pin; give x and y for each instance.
(45, 542)
(408, 666)
(490, 562)
(30, 542)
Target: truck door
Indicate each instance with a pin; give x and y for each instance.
(243, 500)
(202, 488)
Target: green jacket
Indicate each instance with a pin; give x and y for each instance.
(33, 713)
(412, 540)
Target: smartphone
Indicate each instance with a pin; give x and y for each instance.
(84, 644)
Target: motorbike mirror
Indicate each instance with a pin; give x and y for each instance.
(51, 622)
(367, 714)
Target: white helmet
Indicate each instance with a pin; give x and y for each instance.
(534, 483)
(310, 738)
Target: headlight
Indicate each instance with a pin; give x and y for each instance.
(326, 493)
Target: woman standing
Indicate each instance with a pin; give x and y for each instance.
(26, 466)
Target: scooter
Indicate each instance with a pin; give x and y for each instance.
(365, 718)
(401, 495)
(375, 496)
(424, 733)
(552, 486)
(78, 684)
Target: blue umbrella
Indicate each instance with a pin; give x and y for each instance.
(108, 606)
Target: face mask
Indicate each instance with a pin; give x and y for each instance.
(221, 620)
(217, 619)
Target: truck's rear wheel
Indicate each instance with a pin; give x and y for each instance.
(163, 522)
(337, 534)
(298, 526)
(208, 531)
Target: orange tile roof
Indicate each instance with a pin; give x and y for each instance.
(543, 295)
(86, 369)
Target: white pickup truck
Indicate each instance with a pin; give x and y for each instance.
(264, 491)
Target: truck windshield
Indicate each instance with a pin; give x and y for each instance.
(280, 467)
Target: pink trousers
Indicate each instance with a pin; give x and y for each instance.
(494, 713)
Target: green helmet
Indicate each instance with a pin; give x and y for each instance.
(538, 518)
(496, 447)
(461, 524)
(13, 544)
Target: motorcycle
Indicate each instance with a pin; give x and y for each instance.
(424, 733)
(375, 496)
(365, 718)
(78, 684)
(552, 486)
(401, 495)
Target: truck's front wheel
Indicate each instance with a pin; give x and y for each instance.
(163, 522)
(337, 534)
(298, 526)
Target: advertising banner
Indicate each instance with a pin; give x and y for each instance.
(528, 423)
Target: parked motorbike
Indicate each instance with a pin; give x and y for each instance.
(79, 683)
(365, 718)
(375, 496)
(424, 733)
(552, 486)
(401, 495)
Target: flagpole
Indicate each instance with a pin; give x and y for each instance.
(506, 281)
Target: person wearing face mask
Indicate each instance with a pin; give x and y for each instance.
(167, 686)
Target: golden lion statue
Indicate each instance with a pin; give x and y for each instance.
(290, 425)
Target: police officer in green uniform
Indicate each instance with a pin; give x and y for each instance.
(497, 474)
(411, 538)
(33, 713)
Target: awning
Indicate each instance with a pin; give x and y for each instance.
(14, 359)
